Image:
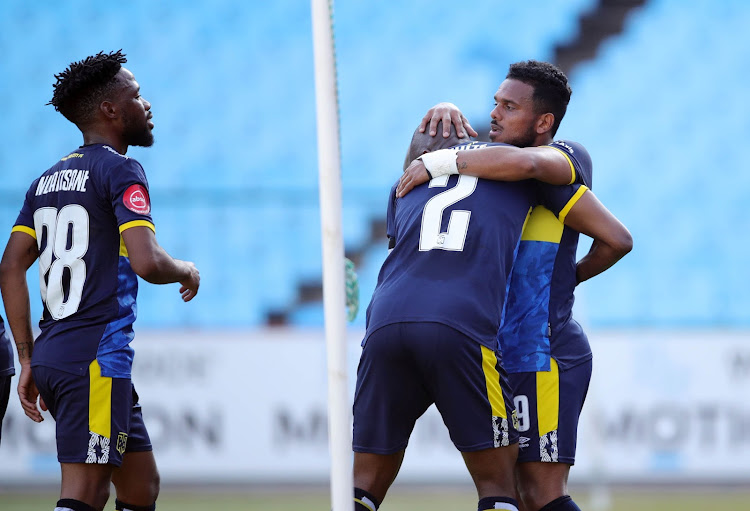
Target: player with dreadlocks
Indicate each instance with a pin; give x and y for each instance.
(87, 220)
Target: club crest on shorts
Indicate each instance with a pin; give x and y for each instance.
(122, 442)
(135, 199)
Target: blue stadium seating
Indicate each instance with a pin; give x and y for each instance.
(234, 171)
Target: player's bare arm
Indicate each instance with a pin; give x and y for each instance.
(19, 255)
(612, 240)
(152, 263)
(449, 114)
(497, 163)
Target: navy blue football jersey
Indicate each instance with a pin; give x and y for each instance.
(77, 211)
(6, 352)
(538, 323)
(455, 241)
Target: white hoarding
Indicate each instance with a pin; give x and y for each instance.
(251, 407)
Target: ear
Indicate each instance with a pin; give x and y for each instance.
(109, 109)
(545, 123)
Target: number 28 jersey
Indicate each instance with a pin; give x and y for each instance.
(77, 211)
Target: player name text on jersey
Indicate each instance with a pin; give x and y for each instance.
(63, 180)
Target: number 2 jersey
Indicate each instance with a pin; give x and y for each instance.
(77, 211)
(455, 242)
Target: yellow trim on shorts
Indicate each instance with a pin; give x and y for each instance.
(570, 162)
(572, 202)
(137, 223)
(492, 378)
(548, 398)
(22, 228)
(100, 401)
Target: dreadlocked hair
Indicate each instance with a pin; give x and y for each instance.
(551, 89)
(80, 89)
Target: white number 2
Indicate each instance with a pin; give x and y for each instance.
(430, 236)
(68, 240)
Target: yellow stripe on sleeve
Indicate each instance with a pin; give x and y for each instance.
(22, 228)
(548, 398)
(492, 377)
(572, 202)
(570, 162)
(100, 401)
(137, 223)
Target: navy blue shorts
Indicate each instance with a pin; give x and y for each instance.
(98, 419)
(548, 405)
(405, 367)
(4, 395)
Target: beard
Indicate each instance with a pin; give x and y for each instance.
(137, 134)
(526, 139)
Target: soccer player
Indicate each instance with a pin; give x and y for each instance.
(87, 220)
(7, 370)
(432, 325)
(544, 350)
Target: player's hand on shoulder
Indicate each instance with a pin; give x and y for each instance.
(449, 114)
(414, 175)
(191, 283)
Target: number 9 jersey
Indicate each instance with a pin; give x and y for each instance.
(77, 211)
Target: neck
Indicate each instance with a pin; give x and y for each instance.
(100, 138)
(545, 139)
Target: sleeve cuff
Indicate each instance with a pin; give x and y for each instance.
(572, 202)
(137, 223)
(22, 228)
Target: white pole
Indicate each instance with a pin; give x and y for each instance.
(334, 298)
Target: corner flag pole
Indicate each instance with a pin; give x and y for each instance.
(334, 298)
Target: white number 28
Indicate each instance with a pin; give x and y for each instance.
(68, 240)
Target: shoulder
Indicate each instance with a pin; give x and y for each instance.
(573, 149)
(578, 155)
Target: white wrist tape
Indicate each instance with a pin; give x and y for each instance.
(440, 162)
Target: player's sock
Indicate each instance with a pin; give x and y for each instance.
(124, 506)
(364, 501)
(504, 503)
(564, 503)
(72, 505)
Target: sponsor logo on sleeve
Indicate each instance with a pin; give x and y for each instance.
(563, 145)
(135, 199)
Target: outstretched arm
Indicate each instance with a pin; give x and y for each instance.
(152, 263)
(19, 255)
(498, 163)
(449, 114)
(612, 240)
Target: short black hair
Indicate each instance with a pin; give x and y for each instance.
(551, 89)
(80, 89)
(423, 142)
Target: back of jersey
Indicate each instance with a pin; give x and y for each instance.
(76, 211)
(455, 242)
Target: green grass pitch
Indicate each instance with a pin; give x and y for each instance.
(401, 499)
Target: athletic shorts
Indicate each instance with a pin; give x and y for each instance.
(4, 395)
(405, 367)
(98, 419)
(548, 405)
